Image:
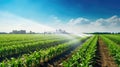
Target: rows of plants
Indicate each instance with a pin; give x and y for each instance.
(22, 49)
(113, 37)
(23, 37)
(34, 59)
(84, 54)
(11, 44)
(113, 47)
(23, 40)
(19, 49)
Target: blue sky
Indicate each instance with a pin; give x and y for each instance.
(64, 9)
(51, 12)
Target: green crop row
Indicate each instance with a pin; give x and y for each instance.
(11, 44)
(16, 49)
(115, 38)
(29, 47)
(23, 37)
(35, 58)
(114, 48)
(84, 55)
(23, 40)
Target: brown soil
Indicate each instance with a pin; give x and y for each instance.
(103, 56)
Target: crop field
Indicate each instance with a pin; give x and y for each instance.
(59, 50)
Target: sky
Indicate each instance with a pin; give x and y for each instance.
(71, 15)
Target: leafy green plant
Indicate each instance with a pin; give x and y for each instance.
(83, 56)
(36, 57)
(113, 47)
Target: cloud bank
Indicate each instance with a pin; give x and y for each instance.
(80, 24)
(9, 22)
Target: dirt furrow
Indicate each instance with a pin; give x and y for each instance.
(104, 58)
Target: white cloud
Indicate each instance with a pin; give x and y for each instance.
(78, 21)
(9, 22)
(112, 21)
(80, 24)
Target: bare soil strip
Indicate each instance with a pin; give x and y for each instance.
(103, 56)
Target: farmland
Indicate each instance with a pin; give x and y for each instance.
(59, 50)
